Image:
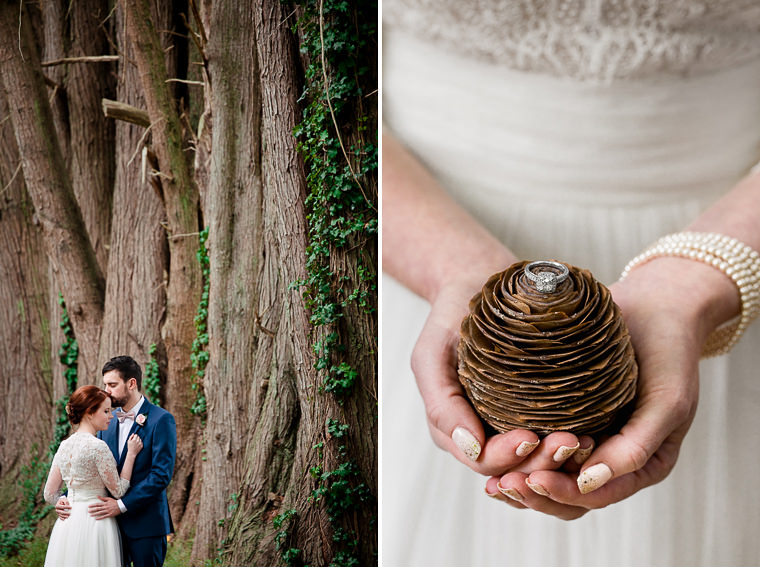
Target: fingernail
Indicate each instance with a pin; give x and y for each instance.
(564, 452)
(537, 488)
(511, 493)
(582, 454)
(593, 478)
(494, 495)
(525, 448)
(466, 442)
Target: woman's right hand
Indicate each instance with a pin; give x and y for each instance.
(454, 425)
(134, 445)
(440, 252)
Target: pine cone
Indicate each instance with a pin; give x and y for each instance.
(546, 360)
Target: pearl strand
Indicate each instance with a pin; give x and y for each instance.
(735, 259)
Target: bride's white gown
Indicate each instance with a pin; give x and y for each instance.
(88, 469)
(581, 131)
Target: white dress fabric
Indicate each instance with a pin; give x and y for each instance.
(88, 469)
(575, 151)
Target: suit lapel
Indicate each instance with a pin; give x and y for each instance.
(111, 437)
(144, 410)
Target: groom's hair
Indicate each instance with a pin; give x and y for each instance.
(127, 368)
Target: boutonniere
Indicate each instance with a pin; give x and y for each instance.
(140, 419)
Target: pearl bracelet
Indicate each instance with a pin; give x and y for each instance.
(735, 259)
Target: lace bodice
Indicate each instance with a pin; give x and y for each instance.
(596, 40)
(87, 467)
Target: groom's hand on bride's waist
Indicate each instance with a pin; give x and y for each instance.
(106, 508)
(63, 508)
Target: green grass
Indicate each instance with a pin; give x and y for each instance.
(178, 554)
(33, 555)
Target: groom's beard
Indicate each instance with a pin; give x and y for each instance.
(119, 402)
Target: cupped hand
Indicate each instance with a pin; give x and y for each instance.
(453, 423)
(668, 318)
(134, 444)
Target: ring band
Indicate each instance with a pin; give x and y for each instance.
(546, 281)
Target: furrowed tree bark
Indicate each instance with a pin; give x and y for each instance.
(55, 314)
(92, 136)
(235, 265)
(25, 365)
(277, 479)
(180, 196)
(49, 186)
(202, 165)
(284, 418)
(138, 257)
(54, 33)
(358, 333)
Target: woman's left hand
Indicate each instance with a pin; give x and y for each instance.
(670, 306)
(134, 445)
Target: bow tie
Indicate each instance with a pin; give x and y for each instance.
(122, 415)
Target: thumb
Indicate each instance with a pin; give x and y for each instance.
(448, 411)
(630, 450)
(454, 425)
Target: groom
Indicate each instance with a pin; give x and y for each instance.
(143, 512)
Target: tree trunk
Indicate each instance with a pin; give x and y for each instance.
(235, 262)
(66, 242)
(54, 46)
(25, 365)
(54, 33)
(180, 196)
(190, 527)
(260, 332)
(92, 135)
(356, 262)
(277, 475)
(138, 257)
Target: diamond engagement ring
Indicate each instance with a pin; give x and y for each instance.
(546, 275)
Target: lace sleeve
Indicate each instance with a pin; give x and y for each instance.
(106, 464)
(54, 483)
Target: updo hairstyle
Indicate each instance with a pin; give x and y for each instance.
(84, 401)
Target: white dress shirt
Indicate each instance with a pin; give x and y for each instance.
(126, 425)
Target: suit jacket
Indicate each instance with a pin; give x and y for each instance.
(147, 507)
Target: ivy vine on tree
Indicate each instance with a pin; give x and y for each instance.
(152, 381)
(335, 38)
(199, 356)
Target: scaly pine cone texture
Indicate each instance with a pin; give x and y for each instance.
(556, 361)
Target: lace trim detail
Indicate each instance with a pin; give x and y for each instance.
(86, 465)
(598, 40)
(52, 494)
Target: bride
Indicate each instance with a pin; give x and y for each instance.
(86, 465)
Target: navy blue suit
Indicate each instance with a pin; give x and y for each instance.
(147, 521)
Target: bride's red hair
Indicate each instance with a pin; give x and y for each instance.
(84, 401)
